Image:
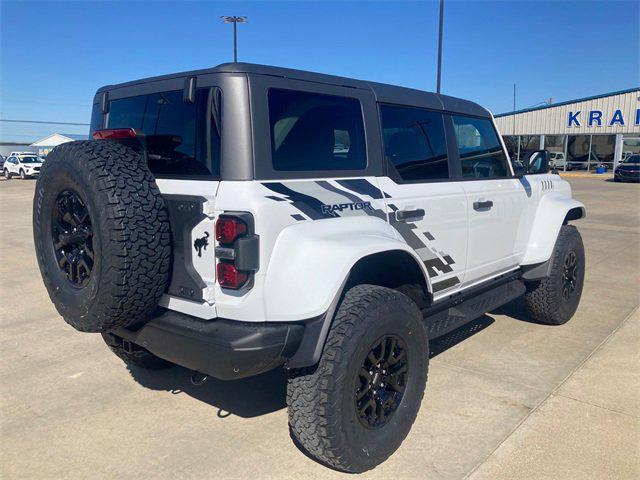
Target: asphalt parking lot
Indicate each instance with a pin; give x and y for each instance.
(506, 398)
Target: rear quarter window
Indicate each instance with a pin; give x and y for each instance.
(315, 132)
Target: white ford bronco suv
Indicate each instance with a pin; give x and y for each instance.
(241, 218)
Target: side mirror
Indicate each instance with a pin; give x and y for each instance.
(538, 162)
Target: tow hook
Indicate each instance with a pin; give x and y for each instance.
(198, 378)
(128, 346)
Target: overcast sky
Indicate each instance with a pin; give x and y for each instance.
(55, 55)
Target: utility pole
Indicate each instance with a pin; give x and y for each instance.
(235, 20)
(514, 109)
(440, 46)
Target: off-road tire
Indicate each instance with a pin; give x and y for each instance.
(321, 399)
(7, 175)
(544, 299)
(139, 356)
(131, 234)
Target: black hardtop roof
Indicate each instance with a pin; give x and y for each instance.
(383, 92)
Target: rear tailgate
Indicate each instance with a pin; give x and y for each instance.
(193, 272)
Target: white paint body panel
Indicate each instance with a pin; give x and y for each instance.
(305, 257)
(443, 230)
(492, 239)
(310, 262)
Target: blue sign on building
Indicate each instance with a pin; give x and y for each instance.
(595, 118)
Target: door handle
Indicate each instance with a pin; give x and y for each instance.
(410, 215)
(483, 205)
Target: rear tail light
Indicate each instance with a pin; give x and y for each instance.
(230, 277)
(228, 229)
(114, 133)
(237, 251)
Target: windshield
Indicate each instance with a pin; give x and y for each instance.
(29, 160)
(633, 159)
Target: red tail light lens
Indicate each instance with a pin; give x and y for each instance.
(229, 228)
(114, 133)
(230, 277)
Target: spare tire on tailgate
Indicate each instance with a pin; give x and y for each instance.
(102, 235)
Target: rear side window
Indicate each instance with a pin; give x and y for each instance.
(481, 153)
(96, 117)
(415, 143)
(175, 132)
(311, 131)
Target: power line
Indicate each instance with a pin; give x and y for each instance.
(43, 122)
(44, 102)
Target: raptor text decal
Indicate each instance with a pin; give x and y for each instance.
(339, 207)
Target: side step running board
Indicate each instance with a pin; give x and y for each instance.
(448, 319)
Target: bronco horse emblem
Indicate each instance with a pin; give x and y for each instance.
(201, 243)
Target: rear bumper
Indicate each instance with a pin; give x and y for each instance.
(224, 349)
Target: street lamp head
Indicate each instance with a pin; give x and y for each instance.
(232, 19)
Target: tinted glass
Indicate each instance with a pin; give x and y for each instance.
(578, 152)
(481, 154)
(96, 117)
(310, 132)
(603, 148)
(415, 143)
(528, 145)
(174, 132)
(128, 112)
(511, 142)
(29, 160)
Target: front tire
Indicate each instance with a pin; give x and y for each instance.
(7, 175)
(354, 409)
(555, 299)
(23, 176)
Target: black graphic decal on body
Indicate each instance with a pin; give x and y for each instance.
(354, 198)
(364, 187)
(310, 206)
(444, 284)
(435, 264)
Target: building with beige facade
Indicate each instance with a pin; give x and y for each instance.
(581, 134)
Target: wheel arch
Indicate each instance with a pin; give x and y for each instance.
(575, 213)
(395, 263)
(311, 262)
(553, 211)
(396, 269)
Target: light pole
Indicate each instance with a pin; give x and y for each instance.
(235, 20)
(440, 44)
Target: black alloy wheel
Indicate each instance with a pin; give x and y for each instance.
(569, 275)
(382, 382)
(72, 236)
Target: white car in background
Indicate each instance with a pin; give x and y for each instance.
(18, 154)
(23, 165)
(557, 160)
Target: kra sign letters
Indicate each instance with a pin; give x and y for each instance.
(594, 118)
